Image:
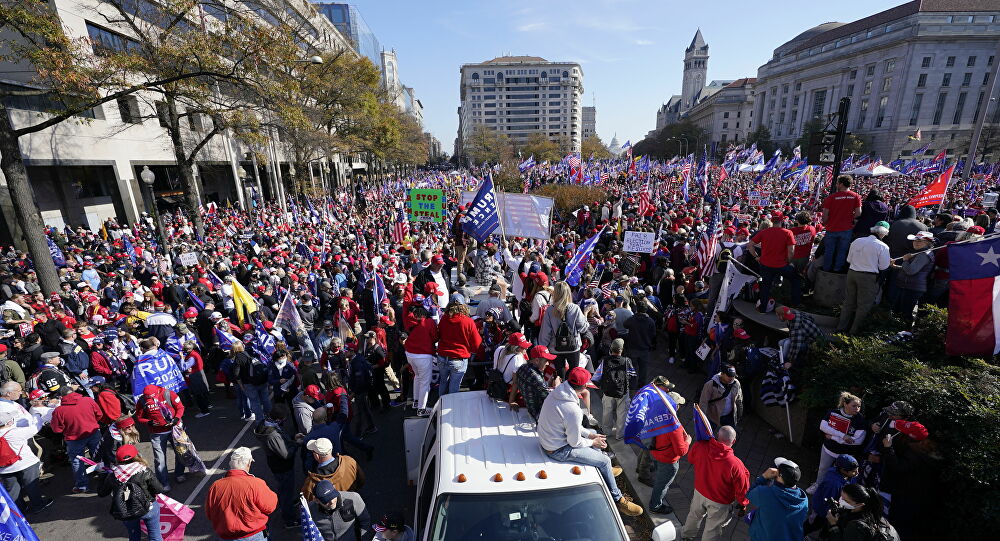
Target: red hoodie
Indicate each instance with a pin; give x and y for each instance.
(422, 337)
(76, 417)
(148, 410)
(670, 447)
(718, 474)
(111, 407)
(459, 337)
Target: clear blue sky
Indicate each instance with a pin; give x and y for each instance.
(631, 51)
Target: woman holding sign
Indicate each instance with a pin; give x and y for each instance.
(845, 430)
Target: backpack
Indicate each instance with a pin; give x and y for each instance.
(6, 374)
(360, 376)
(565, 340)
(541, 310)
(8, 456)
(614, 378)
(129, 501)
(125, 402)
(496, 385)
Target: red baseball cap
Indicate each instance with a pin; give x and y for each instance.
(126, 452)
(439, 259)
(517, 339)
(158, 304)
(540, 352)
(190, 312)
(578, 376)
(385, 320)
(312, 391)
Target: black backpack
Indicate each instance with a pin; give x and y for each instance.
(496, 386)
(126, 402)
(614, 377)
(129, 501)
(565, 341)
(360, 375)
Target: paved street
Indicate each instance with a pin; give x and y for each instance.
(214, 436)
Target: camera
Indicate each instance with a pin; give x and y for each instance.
(833, 505)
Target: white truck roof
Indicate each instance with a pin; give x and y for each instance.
(480, 438)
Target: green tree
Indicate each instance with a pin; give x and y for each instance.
(673, 140)
(856, 144)
(488, 146)
(593, 146)
(762, 137)
(808, 129)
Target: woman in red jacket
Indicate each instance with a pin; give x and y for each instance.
(459, 340)
(420, 347)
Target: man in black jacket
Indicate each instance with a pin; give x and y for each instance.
(435, 272)
(641, 338)
(280, 449)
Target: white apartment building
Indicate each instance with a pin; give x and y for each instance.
(87, 169)
(522, 95)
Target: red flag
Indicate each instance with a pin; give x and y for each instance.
(941, 156)
(933, 193)
(722, 176)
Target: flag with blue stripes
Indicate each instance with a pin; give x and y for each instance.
(226, 340)
(195, 300)
(380, 293)
(57, 254)
(575, 266)
(263, 343)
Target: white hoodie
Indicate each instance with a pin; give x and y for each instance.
(560, 422)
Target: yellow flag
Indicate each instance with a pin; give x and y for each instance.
(243, 302)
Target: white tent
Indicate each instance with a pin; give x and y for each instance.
(755, 167)
(879, 171)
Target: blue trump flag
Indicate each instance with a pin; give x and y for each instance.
(651, 413)
(702, 428)
(13, 525)
(156, 369)
(57, 254)
(129, 249)
(575, 266)
(482, 218)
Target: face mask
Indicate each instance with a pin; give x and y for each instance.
(280, 363)
(843, 504)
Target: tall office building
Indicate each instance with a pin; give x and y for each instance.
(589, 121)
(522, 95)
(351, 24)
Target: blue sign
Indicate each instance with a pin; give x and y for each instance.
(482, 218)
(156, 369)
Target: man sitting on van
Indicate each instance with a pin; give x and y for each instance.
(563, 438)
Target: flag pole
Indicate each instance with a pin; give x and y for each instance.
(788, 408)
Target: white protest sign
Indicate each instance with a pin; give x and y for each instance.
(188, 259)
(989, 199)
(521, 215)
(639, 241)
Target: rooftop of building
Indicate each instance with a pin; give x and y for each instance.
(516, 60)
(831, 31)
(742, 82)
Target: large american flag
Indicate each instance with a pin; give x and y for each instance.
(401, 228)
(644, 204)
(709, 243)
(573, 160)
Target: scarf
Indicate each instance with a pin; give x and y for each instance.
(124, 472)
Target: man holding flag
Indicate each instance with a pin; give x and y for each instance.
(666, 453)
(720, 480)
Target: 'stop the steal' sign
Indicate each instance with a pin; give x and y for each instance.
(426, 205)
(640, 242)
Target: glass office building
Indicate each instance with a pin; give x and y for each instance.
(349, 22)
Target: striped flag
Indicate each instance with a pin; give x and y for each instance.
(709, 243)
(310, 532)
(644, 205)
(401, 228)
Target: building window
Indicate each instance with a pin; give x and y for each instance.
(967, 79)
(989, 61)
(795, 115)
(915, 111)
(737, 125)
(881, 111)
(939, 109)
(946, 79)
(850, 90)
(886, 84)
(986, 78)
(853, 75)
(922, 80)
(196, 121)
(725, 114)
(162, 114)
(106, 42)
(784, 102)
(926, 63)
(128, 108)
(868, 87)
(819, 103)
(725, 125)
(971, 62)
(784, 89)
(950, 62)
(958, 109)
(862, 113)
(870, 70)
(475, 76)
(890, 65)
(798, 87)
(979, 103)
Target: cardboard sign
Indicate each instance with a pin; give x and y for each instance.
(639, 241)
(426, 205)
(188, 259)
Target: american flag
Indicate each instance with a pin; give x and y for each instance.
(686, 171)
(573, 160)
(596, 281)
(709, 243)
(310, 532)
(644, 204)
(401, 228)
(605, 177)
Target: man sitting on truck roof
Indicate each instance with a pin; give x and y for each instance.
(563, 438)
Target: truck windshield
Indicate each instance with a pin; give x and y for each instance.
(580, 513)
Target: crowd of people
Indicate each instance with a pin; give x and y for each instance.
(315, 320)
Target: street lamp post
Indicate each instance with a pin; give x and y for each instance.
(148, 178)
(241, 173)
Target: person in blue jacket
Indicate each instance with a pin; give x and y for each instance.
(781, 506)
(843, 472)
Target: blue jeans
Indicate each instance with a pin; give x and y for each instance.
(769, 274)
(152, 520)
(75, 448)
(452, 372)
(259, 536)
(835, 250)
(243, 401)
(160, 443)
(665, 473)
(588, 456)
(260, 402)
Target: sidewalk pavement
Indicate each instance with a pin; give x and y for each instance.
(756, 445)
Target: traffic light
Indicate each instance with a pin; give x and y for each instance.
(822, 148)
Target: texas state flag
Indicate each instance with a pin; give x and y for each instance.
(974, 299)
